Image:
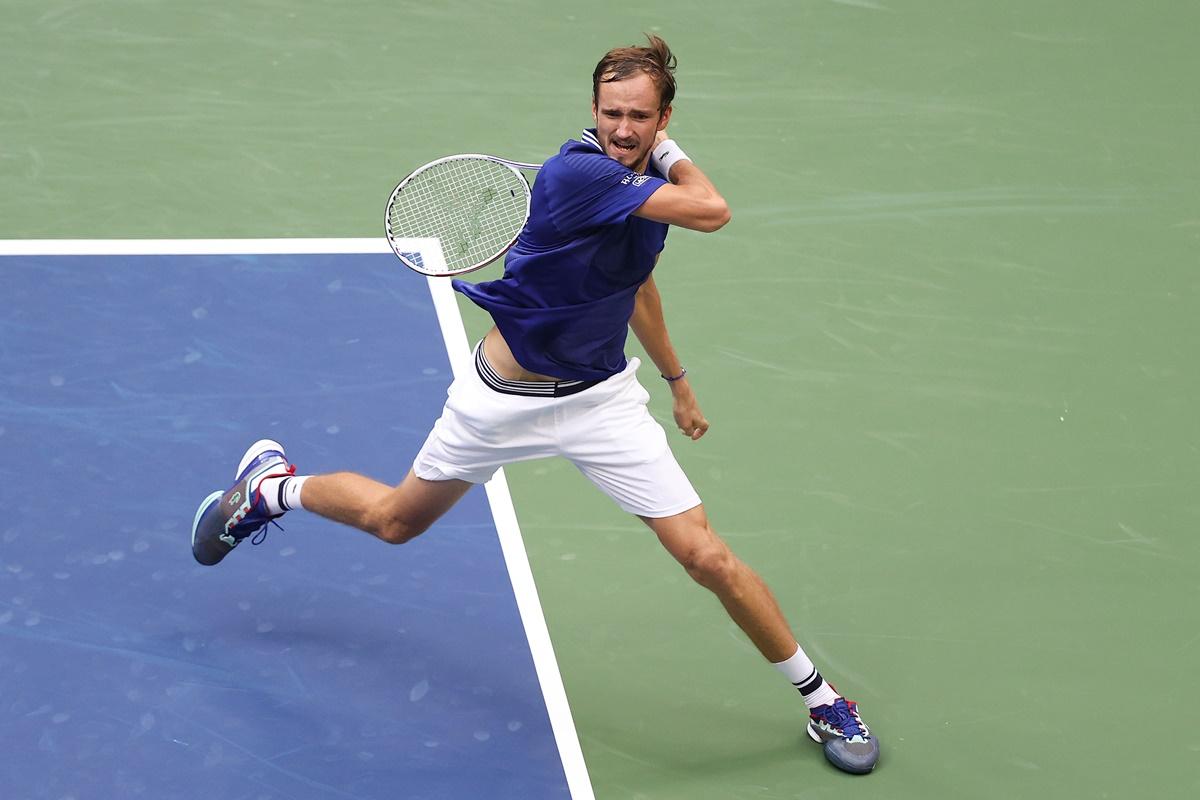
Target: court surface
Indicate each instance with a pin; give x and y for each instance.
(315, 665)
(947, 345)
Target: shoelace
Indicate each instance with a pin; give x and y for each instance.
(260, 535)
(839, 716)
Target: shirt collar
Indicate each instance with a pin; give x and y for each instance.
(589, 137)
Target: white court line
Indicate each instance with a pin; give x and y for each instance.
(519, 572)
(458, 350)
(193, 247)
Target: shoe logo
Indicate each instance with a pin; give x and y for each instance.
(237, 498)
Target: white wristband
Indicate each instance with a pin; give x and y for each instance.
(666, 155)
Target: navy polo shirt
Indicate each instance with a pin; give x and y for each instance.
(564, 302)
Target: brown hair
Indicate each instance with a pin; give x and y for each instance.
(656, 60)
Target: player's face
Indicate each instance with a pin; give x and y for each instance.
(627, 117)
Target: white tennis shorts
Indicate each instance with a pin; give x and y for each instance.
(606, 431)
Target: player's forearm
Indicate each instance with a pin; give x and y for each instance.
(702, 201)
(688, 175)
(689, 199)
(650, 327)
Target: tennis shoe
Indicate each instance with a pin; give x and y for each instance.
(227, 518)
(848, 742)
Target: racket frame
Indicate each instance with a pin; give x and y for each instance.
(515, 166)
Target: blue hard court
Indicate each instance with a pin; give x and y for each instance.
(321, 664)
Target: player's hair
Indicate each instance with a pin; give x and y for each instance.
(621, 63)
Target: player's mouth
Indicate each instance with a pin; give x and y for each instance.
(623, 149)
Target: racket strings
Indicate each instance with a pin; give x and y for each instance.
(474, 207)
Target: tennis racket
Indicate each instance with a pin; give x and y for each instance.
(473, 205)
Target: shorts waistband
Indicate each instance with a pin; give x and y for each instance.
(493, 381)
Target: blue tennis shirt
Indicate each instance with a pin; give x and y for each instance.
(564, 302)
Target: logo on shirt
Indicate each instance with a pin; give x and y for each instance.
(633, 179)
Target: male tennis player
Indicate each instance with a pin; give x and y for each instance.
(551, 378)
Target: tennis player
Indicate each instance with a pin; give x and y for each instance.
(551, 378)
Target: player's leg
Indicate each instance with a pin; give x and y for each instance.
(480, 429)
(266, 487)
(394, 514)
(618, 445)
(690, 539)
(833, 720)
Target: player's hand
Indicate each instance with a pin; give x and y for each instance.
(661, 137)
(688, 415)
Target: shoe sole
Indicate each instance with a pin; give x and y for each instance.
(204, 506)
(843, 759)
(858, 758)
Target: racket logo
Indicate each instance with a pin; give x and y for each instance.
(475, 221)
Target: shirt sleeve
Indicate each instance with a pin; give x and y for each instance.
(589, 190)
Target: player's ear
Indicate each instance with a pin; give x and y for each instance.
(665, 117)
(595, 116)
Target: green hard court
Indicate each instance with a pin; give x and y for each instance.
(947, 344)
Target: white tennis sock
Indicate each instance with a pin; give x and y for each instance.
(283, 493)
(799, 669)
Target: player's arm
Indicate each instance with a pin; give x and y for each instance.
(690, 200)
(650, 328)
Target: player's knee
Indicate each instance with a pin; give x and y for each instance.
(712, 566)
(398, 531)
